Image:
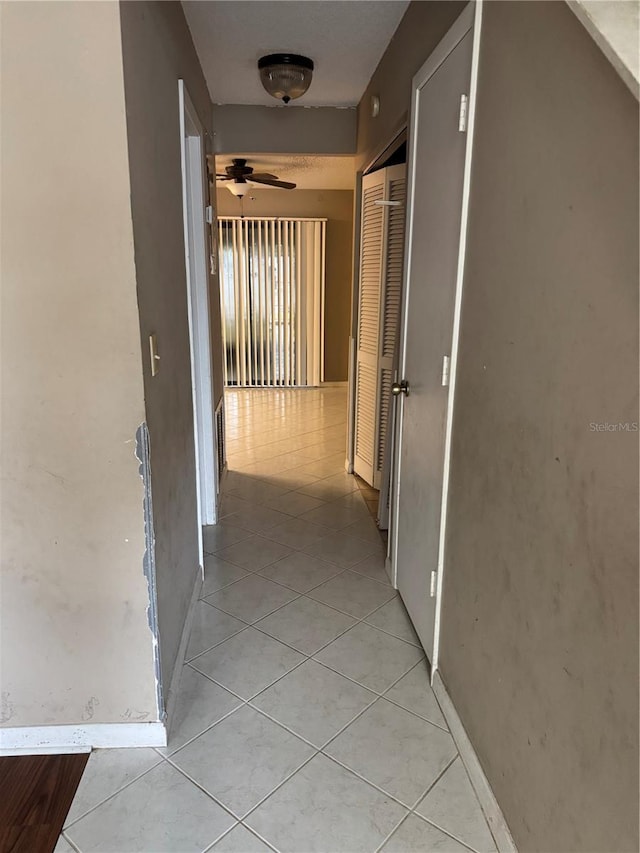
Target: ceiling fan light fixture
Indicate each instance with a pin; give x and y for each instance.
(285, 76)
(238, 188)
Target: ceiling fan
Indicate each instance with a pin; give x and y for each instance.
(240, 174)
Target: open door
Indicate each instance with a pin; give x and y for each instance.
(380, 287)
(390, 329)
(194, 183)
(439, 169)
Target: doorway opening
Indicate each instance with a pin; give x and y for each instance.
(376, 311)
(285, 261)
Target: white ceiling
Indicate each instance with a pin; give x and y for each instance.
(308, 172)
(344, 38)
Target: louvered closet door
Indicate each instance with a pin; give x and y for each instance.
(371, 249)
(393, 251)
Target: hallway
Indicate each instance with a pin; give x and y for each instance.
(305, 717)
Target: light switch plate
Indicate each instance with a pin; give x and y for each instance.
(153, 353)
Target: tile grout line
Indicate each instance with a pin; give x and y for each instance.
(118, 791)
(229, 831)
(71, 843)
(293, 550)
(333, 760)
(317, 651)
(200, 787)
(387, 838)
(250, 700)
(307, 658)
(448, 832)
(261, 837)
(328, 741)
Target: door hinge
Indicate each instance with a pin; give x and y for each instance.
(208, 211)
(434, 584)
(212, 263)
(462, 118)
(445, 370)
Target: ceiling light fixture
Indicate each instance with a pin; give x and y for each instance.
(285, 75)
(238, 188)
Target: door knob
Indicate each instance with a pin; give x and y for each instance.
(400, 388)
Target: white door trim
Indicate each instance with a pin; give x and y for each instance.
(470, 17)
(193, 205)
(462, 250)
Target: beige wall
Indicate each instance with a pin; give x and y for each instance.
(157, 51)
(337, 207)
(540, 639)
(75, 645)
(419, 31)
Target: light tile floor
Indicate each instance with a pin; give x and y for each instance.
(305, 720)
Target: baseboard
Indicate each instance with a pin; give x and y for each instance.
(388, 567)
(486, 798)
(334, 384)
(44, 740)
(174, 687)
(222, 477)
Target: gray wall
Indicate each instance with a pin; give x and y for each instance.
(284, 130)
(337, 207)
(540, 621)
(419, 31)
(157, 51)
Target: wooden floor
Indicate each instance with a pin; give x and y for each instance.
(35, 795)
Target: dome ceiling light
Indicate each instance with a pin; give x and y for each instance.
(285, 75)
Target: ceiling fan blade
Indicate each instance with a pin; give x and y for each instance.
(285, 185)
(223, 177)
(262, 176)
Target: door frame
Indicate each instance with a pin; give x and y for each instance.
(194, 202)
(471, 17)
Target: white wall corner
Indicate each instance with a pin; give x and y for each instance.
(486, 798)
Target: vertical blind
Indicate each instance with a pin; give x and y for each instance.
(272, 274)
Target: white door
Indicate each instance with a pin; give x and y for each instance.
(368, 333)
(395, 193)
(438, 144)
(380, 287)
(195, 236)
